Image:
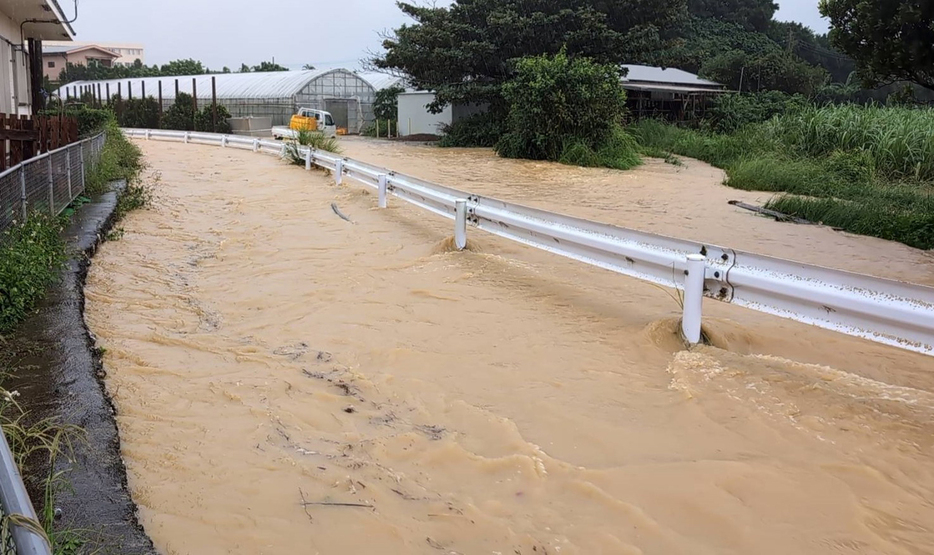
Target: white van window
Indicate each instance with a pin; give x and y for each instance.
(328, 120)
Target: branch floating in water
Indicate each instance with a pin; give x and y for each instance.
(339, 213)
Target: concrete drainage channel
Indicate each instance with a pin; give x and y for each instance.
(62, 378)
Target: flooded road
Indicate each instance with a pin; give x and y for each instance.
(288, 382)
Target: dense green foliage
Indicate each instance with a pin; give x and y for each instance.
(752, 15)
(181, 114)
(478, 130)
(890, 40)
(468, 51)
(204, 120)
(138, 113)
(90, 120)
(867, 170)
(729, 112)
(557, 103)
(120, 159)
(31, 255)
(269, 66)
(385, 107)
(76, 72)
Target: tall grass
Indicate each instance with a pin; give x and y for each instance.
(900, 141)
(868, 170)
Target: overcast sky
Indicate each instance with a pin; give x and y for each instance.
(294, 32)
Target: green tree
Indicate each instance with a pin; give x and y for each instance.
(466, 52)
(890, 40)
(308, 67)
(244, 68)
(386, 104)
(754, 15)
(269, 66)
(183, 67)
(555, 101)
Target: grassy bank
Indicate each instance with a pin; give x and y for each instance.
(867, 170)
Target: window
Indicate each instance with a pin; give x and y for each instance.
(51, 64)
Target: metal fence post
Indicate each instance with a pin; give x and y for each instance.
(68, 163)
(383, 183)
(22, 184)
(51, 185)
(224, 141)
(693, 298)
(84, 165)
(339, 172)
(255, 145)
(308, 159)
(460, 224)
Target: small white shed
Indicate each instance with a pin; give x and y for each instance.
(414, 117)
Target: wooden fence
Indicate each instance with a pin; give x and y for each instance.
(23, 137)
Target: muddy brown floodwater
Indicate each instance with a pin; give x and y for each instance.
(288, 382)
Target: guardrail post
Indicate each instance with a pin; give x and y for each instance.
(308, 159)
(22, 185)
(187, 137)
(282, 151)
(339, 172)
(693, 298)
(16, 502)
(148, 134)
(48, 167)
(224, 141)
(460, 224)
(255, 145)
(383, 184)
(68, 162)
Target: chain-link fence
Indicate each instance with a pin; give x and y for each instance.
(47, 183)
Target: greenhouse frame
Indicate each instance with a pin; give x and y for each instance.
(278, 94)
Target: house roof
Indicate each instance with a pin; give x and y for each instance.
(272, 84)
(669, 76)
(75, 48)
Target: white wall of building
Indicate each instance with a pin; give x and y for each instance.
(14, 75)
(414, 118)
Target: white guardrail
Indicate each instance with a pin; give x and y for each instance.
(882, 310)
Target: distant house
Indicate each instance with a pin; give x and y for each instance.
(23, 25)
(127, 53)
(667, 92)
(55, 58)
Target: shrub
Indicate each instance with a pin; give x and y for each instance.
(478, 130)
(620, 152)
(140, 113)
(558, 100)
(181, 115)
(31, 255)
(729, 112)
(386, 104)
(313, 139)
(90, 120)
(120, 159)
(204, 120)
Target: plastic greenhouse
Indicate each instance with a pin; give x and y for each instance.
(277, 94)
